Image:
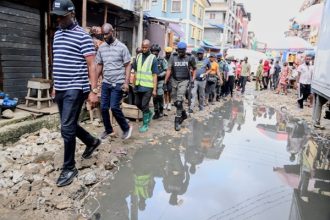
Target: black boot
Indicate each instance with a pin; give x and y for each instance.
(177, 123)
(161, 113)
(156, 115)
(184, 116)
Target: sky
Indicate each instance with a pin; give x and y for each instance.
(270, 18)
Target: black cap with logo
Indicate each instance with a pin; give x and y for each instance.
(62, 7)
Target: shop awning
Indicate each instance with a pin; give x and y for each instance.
(220, 26)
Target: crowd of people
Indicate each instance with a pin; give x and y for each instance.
(81, 60)
(280, 77)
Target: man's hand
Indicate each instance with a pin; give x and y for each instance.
(125, 87)
(93, 99)
(53, 93)
(192, 84)
(154, 92)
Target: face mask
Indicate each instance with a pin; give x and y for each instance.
(110, 39)
(182, 53)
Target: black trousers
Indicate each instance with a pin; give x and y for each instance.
(142, 100)
(230, 84)
(69, 103)
(304, 92)
(159, 103)
(265, 81)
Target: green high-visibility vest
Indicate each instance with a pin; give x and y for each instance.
(141, 188)
(144, 71)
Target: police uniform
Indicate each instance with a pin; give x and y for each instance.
(159, 99)
(181, 75)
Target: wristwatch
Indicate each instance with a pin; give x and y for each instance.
(95, 90)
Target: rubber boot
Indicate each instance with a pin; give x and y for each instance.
(156, 115)
(177, 123)
(149, 116)
(145, 125)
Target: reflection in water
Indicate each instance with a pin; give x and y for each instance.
(221, 175)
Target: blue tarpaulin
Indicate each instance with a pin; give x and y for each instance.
(220, 26)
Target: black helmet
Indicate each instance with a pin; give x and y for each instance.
(155, 47)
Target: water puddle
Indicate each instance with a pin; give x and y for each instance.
(245, 162)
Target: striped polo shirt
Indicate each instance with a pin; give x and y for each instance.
(70, 48)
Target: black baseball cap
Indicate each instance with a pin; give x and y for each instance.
(62, 7)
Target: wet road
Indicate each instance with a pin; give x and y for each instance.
(245, 162)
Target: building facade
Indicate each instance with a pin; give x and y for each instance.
(226, 24)
(188, 14)
(307, 32)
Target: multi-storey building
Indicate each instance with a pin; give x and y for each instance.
(226, 24)
(307, 32)
(189, 14)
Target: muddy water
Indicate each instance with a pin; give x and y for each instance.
(244, 162)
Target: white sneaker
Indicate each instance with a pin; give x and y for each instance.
(169, 107)
(165, 106)
(127, 134)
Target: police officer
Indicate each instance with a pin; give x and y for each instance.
(159, 98)
(182, 67)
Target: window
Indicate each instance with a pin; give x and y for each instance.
(164, 6)
(146, 5)
(201, 13)
(195, 9)
(193, 30)
(212, 15)
(176, 6)
(199, 34)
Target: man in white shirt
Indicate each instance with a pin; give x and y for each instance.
(304, 79)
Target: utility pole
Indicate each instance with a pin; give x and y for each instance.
(140, 31)
(225, 29)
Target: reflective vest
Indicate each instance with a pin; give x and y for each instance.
(144, 71)
(142, 186)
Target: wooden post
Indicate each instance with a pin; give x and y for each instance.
(84, 14)
(105, 14)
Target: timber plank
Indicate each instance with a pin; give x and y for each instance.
(22, 52)
(19, 45)
(21, 63)
(22, 75)
(22, 40)
(22, 12)
(19, 26)
(19, 19)
(6, 57)
(15, 32)
(8, 70)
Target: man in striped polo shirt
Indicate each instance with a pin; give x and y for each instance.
(73, 67)
(114, 60)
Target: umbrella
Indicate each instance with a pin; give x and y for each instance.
(271, 132)
(293, 43)
(311, 16)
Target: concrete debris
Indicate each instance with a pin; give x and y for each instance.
(8, 114)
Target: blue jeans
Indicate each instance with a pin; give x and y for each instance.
(111, 96)
(69, 104)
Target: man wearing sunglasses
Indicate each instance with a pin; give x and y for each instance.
(73, 69)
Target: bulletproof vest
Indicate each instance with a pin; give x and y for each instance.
(160, 61)
(180, 68)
